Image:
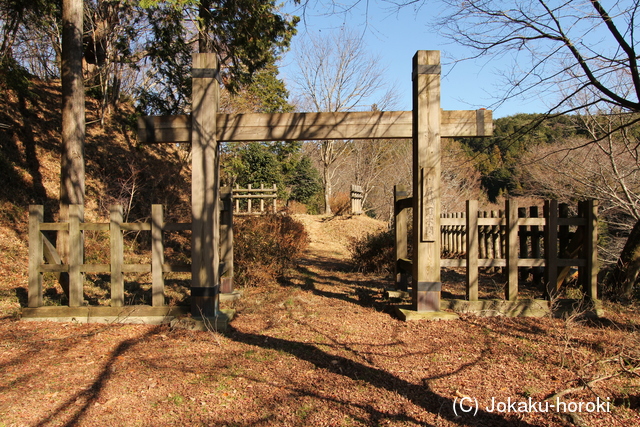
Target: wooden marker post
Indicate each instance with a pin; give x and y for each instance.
(205, 203)
(426, 181)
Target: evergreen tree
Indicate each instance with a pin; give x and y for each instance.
(257, 165)
(245, 34)
(305, 181)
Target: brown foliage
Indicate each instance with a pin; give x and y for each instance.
(340, 203)
(265, 247)
(373, 253)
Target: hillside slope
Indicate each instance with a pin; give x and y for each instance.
(118, 171)
(330, 236)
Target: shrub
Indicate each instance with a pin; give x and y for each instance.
(294, 208)
(265, 247)
(373, 253)
(340, 203)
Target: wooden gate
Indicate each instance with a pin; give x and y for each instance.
(205, 129)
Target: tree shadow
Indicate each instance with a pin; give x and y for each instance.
(91, 393)
(419, 394)
(366, 292)
(20, 139)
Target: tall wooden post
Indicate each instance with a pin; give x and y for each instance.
(205, 202)
(72, 168)
(426, 181)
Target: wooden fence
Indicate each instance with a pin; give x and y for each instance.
(549, 245)
(251, 194)
(40, 248)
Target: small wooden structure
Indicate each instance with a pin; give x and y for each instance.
(250, 194)
(510, 240)
(357, 196)
(205, 129)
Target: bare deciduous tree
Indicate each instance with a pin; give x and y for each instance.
(338, 74)
(555, 45)
(604, 165)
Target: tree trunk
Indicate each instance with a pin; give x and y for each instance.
(326, 154)
(205, 44)
(627, 269)
(326, 180)
(72, 174)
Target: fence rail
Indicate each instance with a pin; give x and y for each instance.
(510, 240)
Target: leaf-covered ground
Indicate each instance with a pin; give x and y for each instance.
(322, 350)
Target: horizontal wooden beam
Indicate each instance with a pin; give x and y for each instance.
(313, 126)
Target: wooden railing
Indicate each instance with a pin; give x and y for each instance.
(251, 194)
(40, 248)
(508, 239)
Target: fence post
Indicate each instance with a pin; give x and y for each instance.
(116, 246)
(523, 234)
(563, 230)
(275, 199)
(262, 198)
(449, 234)
(495, 239)
(237, 199)
(591, 250)
(157, 256)
(485, 241)
(226, 241)
(443, 235)
(36, 215)
(535, 246)
(400, 235)
(551, 247)
(511, 211)
(249, 199)
(458, 235)
(481, 235)
(472, 250)
(76, 252)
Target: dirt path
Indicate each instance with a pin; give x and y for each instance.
(330, 237)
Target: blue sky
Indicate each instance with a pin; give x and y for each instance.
(397, 35)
